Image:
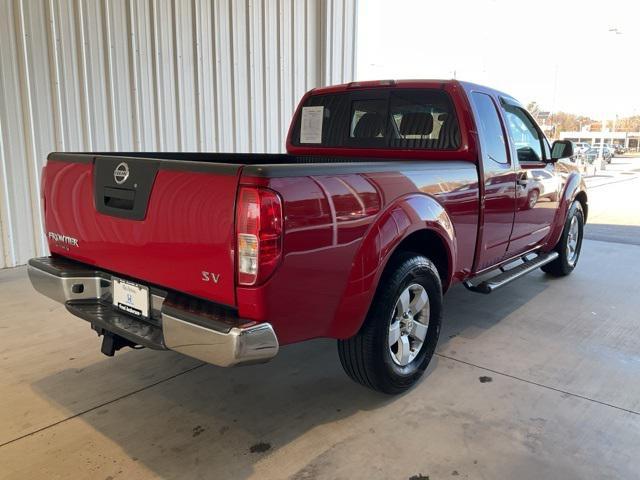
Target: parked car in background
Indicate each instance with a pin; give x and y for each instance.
(608, 151)
(619, 149)
(592, 155)
(580, 147)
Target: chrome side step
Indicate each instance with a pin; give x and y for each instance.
(508, 276)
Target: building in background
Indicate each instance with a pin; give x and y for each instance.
(630, 140)
(169, 76)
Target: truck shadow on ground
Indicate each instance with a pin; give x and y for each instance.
(469, 315)
(629, 234)
(221, 423)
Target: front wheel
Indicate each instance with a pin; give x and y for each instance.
(399, 336)
(570, 243)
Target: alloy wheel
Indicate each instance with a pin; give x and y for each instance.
(409, 324)
(573, 238)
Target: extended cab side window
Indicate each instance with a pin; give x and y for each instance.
(524, 135)
(491, 135)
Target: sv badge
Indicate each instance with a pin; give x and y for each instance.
(210, 277)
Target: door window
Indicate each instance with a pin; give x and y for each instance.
(524, 135)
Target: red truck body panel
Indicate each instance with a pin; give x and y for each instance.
(345, 212)
(333, 257)
(181, 236)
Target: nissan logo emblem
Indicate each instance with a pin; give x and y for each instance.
(121, 173)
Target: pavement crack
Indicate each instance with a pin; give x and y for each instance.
(548, 387)
(84, 412)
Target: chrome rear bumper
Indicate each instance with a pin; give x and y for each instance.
(209, 336)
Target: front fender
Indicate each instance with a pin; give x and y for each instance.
(574, 185)
(400, 219)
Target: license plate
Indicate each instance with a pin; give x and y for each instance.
(131, 297)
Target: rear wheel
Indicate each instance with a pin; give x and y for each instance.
(570, 243)
(399, 336)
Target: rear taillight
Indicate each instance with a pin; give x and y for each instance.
(258, 234)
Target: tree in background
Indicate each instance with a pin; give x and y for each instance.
(534, 109)
(568, 122)
(628, 124)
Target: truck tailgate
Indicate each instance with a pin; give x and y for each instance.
(164, 222)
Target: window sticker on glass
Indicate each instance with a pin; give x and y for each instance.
(311, 124)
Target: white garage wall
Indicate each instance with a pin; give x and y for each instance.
(181, 75)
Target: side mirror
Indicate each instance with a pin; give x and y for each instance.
(561, 149)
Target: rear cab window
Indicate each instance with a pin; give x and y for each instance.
(379, 118)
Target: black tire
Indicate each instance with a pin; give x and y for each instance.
(366, 356)
(563, 265)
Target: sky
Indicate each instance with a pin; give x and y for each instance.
(581, 57)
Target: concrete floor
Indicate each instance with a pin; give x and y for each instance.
(560, 396)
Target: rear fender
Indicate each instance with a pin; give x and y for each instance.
(575, 184)
(405, 216)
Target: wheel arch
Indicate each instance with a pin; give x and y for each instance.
(581, 196)
(574, 189)
(417, 223)
(430, 244)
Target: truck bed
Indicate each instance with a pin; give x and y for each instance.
(223, 158)
(171, 221)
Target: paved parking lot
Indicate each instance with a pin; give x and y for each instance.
(615, 210)
(538, 380)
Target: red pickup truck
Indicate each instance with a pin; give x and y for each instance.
(390, 193)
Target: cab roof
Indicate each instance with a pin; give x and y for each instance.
(419, 83)
(407, 83)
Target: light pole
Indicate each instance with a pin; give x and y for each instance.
(614, 31)
(601, 152)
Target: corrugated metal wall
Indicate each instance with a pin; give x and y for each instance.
(181, 75)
